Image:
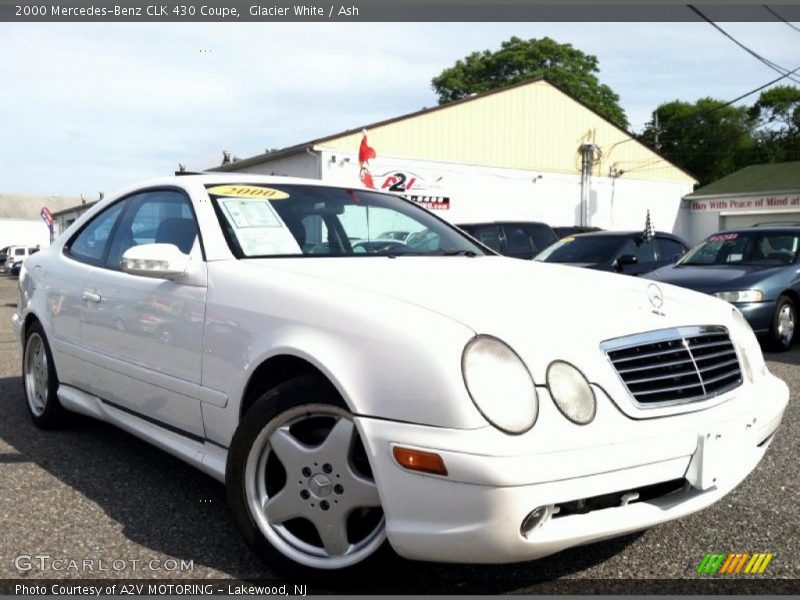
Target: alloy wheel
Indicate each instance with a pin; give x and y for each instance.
(786, 324)
(36, 374)
(311, 491)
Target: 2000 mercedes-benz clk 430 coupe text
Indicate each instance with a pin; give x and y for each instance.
(352, 389)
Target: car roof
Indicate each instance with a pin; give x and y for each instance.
(763, 228)
(604, 233)
(242, 178)
(479, 223)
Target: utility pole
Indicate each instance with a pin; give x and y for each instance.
(656, 130)
(587, 158)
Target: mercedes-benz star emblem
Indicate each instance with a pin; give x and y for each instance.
(655, 296)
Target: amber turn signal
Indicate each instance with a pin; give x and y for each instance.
(417, 460)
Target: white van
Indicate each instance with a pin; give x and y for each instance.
(15, 256)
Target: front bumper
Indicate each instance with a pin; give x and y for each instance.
(16, 325)
(494, 480)
(758, 314)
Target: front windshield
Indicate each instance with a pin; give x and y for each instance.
(591, 249)
(261, 221)
(752, 248)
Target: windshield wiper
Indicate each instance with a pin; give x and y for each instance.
(469, 253)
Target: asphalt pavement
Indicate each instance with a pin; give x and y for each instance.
(93, 496)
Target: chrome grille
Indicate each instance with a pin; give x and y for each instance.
(673, 366)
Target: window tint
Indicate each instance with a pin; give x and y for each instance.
(542, 236)
(518, 241)
(590, 249)
(645, 251)
(19, 252)
(160, 217)
(91, 241)
(669, 249)
(752, 248)
(488, 235)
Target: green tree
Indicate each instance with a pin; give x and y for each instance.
(777, 113)
(518, 60)
(707, 138)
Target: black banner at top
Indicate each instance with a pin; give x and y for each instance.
(378, 10)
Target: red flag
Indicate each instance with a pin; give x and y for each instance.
(365, 153)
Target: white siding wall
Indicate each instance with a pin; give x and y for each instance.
(20, 232)
(488, 194)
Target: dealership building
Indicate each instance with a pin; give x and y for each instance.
(21, 222)
(527, 152)
(756, 194)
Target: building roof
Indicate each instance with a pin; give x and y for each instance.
(755, 179)
(81, 206)
(527, 125)
(28, 206)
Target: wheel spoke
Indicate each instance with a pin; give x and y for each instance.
(282, 507)
(337, 444)
(333, 533)
(360, 492)
(290, 451)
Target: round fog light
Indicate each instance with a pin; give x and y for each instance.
(536, 518)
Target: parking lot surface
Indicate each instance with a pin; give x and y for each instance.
(93, 493)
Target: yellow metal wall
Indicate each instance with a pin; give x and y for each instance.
(533, 126)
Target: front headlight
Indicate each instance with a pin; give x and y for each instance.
(741, 296)
(571, 392)
(499, 384)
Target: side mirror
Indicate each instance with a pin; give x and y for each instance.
(161, 261)
(625, 259)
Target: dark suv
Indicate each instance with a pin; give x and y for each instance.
(517, 239)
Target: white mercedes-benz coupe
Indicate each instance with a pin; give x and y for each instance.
(356, 392)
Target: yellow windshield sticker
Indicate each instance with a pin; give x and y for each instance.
(569, 239)
(248, 191)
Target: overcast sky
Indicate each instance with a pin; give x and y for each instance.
(88, 107)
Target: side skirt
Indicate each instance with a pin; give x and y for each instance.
(200, 453)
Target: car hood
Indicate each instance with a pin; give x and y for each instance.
(542, 310)
(714, 279)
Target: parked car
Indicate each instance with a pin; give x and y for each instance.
(625, 252)
(569, 230)
(455, 404)
(518, 239)
(757, 269)
(3, 258)
(15, 256)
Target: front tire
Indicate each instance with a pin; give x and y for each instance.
(784, 325)
(299, 483)
(40, 380)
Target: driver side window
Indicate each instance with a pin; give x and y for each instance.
(157, 217)
(90, 244)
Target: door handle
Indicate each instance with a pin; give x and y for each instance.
(91, 296)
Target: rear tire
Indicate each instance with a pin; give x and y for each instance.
(300, 486)
(783, 331)
(40, 381)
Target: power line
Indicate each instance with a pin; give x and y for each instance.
(707, 112)
(780, 18)
(751, 92)
(774, 66)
